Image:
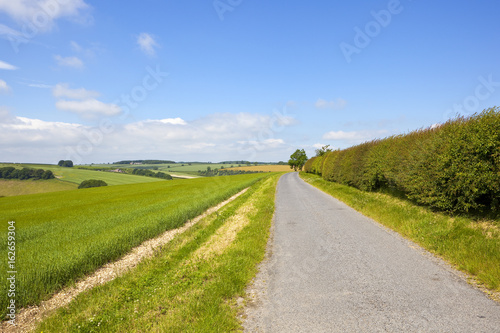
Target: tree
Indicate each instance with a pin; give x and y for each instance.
(47, 174)
(323, 150)
(92, 183)
(66, 164)
(297, 159)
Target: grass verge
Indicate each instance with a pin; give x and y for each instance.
(192, 285)
(469, 245)
(62, 236)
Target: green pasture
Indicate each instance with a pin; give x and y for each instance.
(76, 175)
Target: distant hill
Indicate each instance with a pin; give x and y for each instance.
(145, 162)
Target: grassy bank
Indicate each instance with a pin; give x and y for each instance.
(192, 285)
(62, 236)
(470, 245)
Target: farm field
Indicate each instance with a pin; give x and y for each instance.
(187, 169)
(65, 235)
(191, 285)
(75, 175)
(20, 187)
(265, 168)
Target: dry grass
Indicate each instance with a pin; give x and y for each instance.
(225, 235)
(264, 168)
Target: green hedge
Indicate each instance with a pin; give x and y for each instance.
(452, 167)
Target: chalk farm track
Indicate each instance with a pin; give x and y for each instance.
(331, 269)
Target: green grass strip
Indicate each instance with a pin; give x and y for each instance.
(471, 246)
(177, 291)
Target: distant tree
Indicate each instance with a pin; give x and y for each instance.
(47, 174)
(92, 183)
(323, 150)
(38, 173)
(6, 172)
(66, 164)
(297, 159)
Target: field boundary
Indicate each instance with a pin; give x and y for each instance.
(27, 318)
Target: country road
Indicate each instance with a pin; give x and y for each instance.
(331, 269)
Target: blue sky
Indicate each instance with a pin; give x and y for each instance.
(100, 81)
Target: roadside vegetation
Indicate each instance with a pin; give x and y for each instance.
(470, 244)
(192, 284)
(453, 167)
(65, 235)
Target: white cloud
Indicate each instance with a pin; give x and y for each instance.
(147, 43)
(169, 138)
(333, 105)
(354, 136)
(173, 121)
(89, 108)
(318, 145)
(4, 87)
(9, 33)
(41, 14)
(75, 46)
(39, 85)
(62, 90)
(4, 65)
(74, 62)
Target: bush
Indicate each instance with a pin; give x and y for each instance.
(25, 173)
(66, 164)
(452, 167)
(92, 183)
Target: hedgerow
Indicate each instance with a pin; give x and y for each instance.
(453, 167)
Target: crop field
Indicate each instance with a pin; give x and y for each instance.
(265, 168)
(193, 283)
(20, 187)
(192, 168)
(75, 175)
(62, 236)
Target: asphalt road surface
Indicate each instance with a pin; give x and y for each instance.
(331, 269)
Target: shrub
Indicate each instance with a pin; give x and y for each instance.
(92, 183)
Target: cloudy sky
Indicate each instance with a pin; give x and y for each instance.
(99, 81)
